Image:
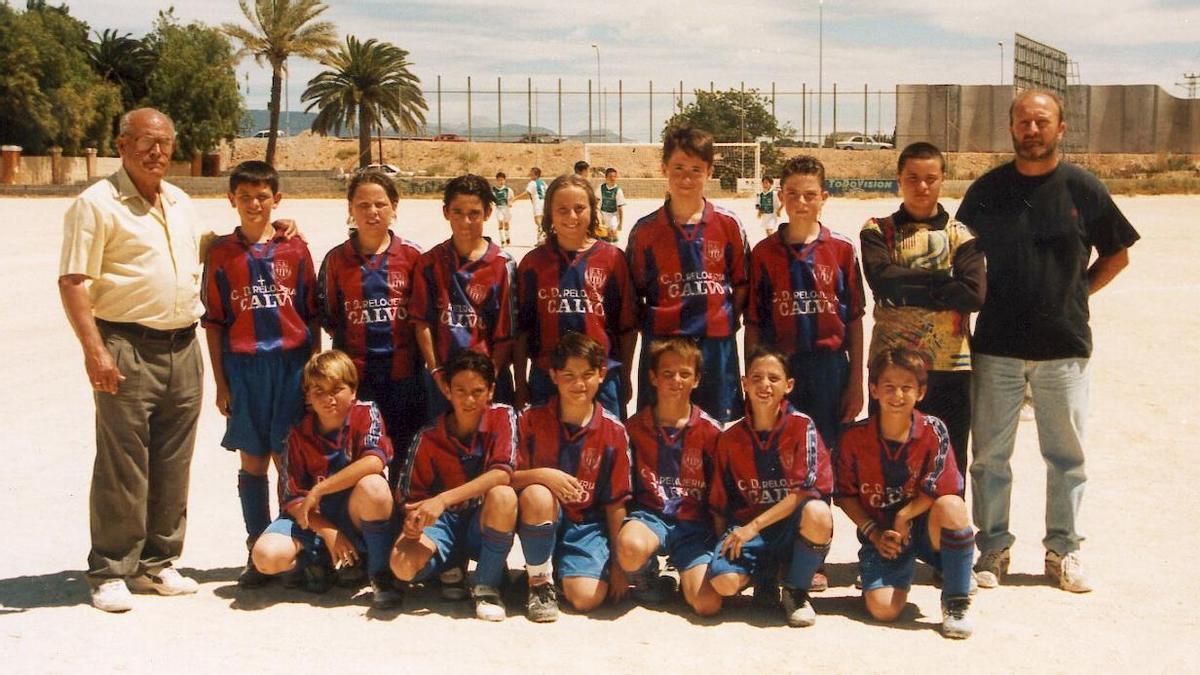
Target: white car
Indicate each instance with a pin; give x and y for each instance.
(389, 169)
(266, 133)
(862, 143)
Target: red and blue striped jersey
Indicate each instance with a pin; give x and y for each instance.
(597, 455)
(802, 297)
(313, 456)
(468, 304)
(673, 467)
(364, 304)
(264, 295)
(885, 477)
(754, 471)
(685, 275)
(588, 292)
(439, 461)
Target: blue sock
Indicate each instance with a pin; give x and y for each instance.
(493, 552)
(378, 536)
(806, 560)
(254, 494)
(537, 543)
(958, 548)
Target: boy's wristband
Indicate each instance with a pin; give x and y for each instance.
(868, 527)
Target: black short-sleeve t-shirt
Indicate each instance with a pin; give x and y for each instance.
(1037, 234)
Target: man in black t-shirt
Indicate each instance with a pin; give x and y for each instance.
(1037, 220)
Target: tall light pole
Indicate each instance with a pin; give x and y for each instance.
(820, 68)
(1001, 43)
(599, 89)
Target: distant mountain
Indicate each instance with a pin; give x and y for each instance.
(482, 128)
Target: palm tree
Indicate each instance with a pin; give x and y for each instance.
(279, 29)
(124, 61)
(367, 83)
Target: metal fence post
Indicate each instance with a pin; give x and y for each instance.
(803, 112)
(590, 139)
(560, 108)
(834, 131)
(529, 103)
(620, 111)
(866, 129)
(651, 126)
(470, 129)
(499, 112)
(439, 103)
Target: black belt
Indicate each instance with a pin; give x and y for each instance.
(146, 333)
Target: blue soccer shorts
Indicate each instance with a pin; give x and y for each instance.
(762, 556)
(457, 536)
(879, 572)
(686, 544)
(265, 400)
(336, 509)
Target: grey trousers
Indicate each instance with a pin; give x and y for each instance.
(145, 434)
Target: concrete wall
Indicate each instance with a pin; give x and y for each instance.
(35, 169)
(1100, 118)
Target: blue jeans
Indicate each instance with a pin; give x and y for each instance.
(1060, 401)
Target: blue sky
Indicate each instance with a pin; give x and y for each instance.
(758, 42)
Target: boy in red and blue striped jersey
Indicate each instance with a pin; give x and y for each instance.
(574, 282)
(463, 292)
(259, 294)
(806, 302)
(688, 261)
(673, 444)
(573, 481)
(363, 294)
(335, 503)
(898, 481)
(455, 490)
(771, 476)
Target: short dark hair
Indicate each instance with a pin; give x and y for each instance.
(571, 180)
(472, 185)
(899, 357)
(1029, 93)
(476, 362)
(501, 174)
(577, 345)
(581, 166)
(536, 171)
(256, 172)
(689, 139)
(611, 169)
(373, 178)
(920, 150)
(766, 352)
(802, 165)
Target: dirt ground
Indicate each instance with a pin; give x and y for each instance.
(1140, 512)
(309, 152)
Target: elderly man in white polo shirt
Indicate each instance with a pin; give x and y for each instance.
(129, 281)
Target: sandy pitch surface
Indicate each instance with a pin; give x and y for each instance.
(1140, 515)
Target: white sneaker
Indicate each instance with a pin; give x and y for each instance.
(1067, 571)
(112, 596)
(489, 606)
(166, 581)
(956, 618)
(798, 608)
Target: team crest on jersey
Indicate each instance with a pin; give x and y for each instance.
(692, 461)
(785, 458)
(595, 278)
(714, 250)
(590, 458)
(282, 270)
(476, 292)
(823, 274)
(397, 281)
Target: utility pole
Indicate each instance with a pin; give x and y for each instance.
(1191, 83)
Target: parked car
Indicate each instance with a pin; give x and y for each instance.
(539, 138)
(450, 138)
(862, 143)
(389, 169)
(266, 133)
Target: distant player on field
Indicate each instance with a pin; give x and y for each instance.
(768, 206)
(260, 317)
(504, 198)
(612, 205)
(689, 265)
(535, 192)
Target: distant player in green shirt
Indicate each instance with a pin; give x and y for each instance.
(504, 199)
(612, 205)
(768, 206)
